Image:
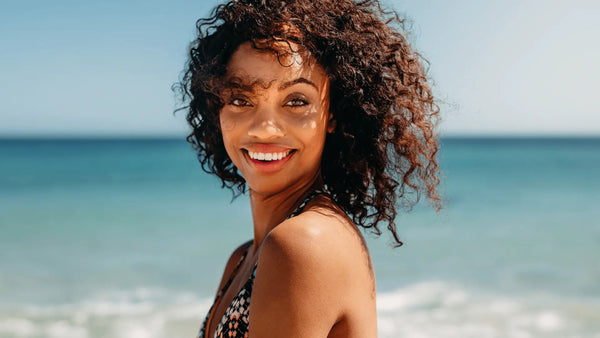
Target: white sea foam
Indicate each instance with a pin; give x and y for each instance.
(63, 328)
(438, 309)
(426, 309)
(19, 327)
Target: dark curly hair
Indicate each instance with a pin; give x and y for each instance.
(384, 146)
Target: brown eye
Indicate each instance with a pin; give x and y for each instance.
(239, 102)
(296, 103)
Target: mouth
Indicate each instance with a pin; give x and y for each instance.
(268, 161)
(269, 157)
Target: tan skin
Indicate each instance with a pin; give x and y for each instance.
(314, 275)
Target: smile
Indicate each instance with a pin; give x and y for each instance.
(269, 162)
(268, 157)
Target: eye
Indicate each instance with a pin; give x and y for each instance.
(297, 102)
(239, 102)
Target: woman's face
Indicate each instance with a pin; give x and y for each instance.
(275, 117)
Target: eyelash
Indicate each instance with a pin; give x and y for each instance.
(291, 103)
(233, 102)
(294, 102)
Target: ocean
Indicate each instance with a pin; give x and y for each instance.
(128, 238)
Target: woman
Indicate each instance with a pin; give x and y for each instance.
(321, 110)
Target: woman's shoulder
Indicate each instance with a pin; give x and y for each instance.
(322, 233)
(317, 268)
(325, 240)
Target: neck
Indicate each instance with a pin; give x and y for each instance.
(269, 210)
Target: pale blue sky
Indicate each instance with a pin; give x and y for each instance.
(72, 68)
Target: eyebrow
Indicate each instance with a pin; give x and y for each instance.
(239, 83)
(296, 81)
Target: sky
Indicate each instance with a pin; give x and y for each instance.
(105, 68)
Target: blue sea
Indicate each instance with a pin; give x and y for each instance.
(128, 238)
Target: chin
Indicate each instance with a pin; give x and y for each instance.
(270, 185)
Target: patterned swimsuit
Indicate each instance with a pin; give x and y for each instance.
(234, 322)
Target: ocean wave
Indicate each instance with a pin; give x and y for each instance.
(440, 309)
(425, 309)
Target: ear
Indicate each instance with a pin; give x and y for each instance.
(331, 123)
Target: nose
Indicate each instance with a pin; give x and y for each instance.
(265, 125)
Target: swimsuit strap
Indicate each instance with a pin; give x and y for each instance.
(305, 201)
(220, 293)
(233, 273)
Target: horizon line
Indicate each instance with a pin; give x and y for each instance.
(172, 137)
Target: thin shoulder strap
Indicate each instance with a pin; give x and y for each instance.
(235, 270)
(305, 201)
(208, 319)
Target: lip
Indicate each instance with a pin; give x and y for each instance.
(271, 166)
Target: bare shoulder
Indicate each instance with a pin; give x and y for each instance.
(322, 237)
(313, 270)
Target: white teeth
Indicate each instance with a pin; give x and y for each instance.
(268, 156)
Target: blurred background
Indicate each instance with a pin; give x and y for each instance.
(109, 228)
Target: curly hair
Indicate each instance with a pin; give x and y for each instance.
(383, 149)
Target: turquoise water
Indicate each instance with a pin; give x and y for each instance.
(128, 238)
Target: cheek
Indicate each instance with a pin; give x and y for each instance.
(312, 125)
(227, 143)
(227, 123)
(312, 129)
(228, 134)
(311, 121)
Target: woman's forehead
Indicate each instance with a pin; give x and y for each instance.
(252, 67)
